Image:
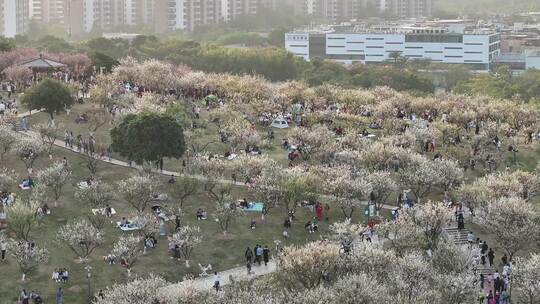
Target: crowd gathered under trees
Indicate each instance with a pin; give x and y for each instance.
(445, 157)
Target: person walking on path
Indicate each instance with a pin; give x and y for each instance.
(504, 259)
(259, 254)
(491, 256)
(249, 255)
(217, 282)
(59, 296)
(248, 267)
(266, 255)
(470, 239)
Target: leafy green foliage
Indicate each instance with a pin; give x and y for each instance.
(49, 94)
(148, 137)
(321, 72)
(502, 84)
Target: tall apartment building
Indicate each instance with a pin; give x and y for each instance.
(405, 9)
(274, 4)
(14, 17)
(344, 10)
(135, 12)
(83, 16)
(336, 10)
(232, 9)
(171, 15)
(47, 10)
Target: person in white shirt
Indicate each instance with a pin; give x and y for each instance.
(217, 281)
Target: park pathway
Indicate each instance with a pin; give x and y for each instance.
(236, 274)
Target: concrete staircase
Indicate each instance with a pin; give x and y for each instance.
(459, 237)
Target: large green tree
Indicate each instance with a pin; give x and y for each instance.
(50, 95)
(148, 137)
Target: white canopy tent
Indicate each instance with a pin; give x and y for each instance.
(280, 123)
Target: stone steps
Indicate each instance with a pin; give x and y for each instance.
(459, 237)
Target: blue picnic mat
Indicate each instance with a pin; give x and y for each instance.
(256, 207)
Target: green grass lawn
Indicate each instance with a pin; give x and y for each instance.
(222, 254)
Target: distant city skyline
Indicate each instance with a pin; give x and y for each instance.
(83, 16)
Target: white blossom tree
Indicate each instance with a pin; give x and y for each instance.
(139, 191)
(96, 196)
(346, 233)
(456, 288)
(451, 174)
(347, 190)
(226, 213)
(154, 289)
(268, 187)
(8, 138)
(249, 167)
(54, 178)
(28, 149)
(137, 291)
(128, 248)
(81, 237)
(23, 218)
(430, 218)
(382, 186)
(311, 141)
(358, 288)
(187, 238)
(526, 278)
(147, 224)
(49, 135)
(27, 255)
(185, 292)
(411, 280)
(421, 176)
(308, 264)
(513, 222)
(454, 279)
(7, 179)
(401, 235)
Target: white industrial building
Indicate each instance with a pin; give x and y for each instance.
(438, 45)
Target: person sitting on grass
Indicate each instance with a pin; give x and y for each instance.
(27, 183)
(244, 204)
(124, 222)
(44, 210)
(200, 213)
(108, 211)
(111, 259)
(124, 262)
(253, 224)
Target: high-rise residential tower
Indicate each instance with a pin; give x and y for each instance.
(14, 17)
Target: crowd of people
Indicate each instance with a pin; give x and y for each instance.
(87, 145)
(60, 275)
(258, 255)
